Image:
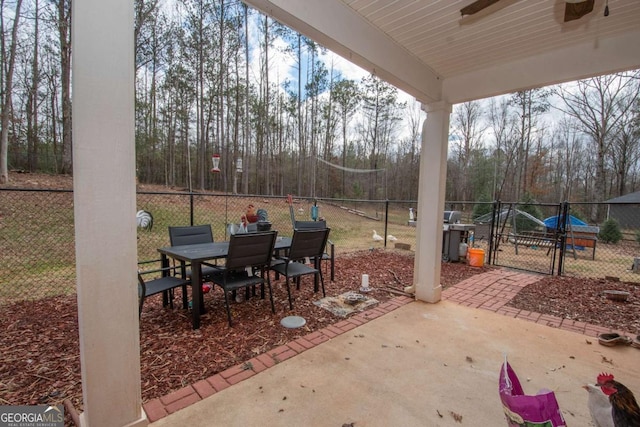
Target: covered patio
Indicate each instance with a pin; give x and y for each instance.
(425, 48)
(410, 363)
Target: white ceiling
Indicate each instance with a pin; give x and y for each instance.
(427, 49)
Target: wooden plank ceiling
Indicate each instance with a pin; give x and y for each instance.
(436, 33)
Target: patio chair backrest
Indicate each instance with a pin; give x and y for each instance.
(309, 225)
(190, 234)
(250, 250)
(308, 243)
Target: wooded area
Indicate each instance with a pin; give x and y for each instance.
(207, 83)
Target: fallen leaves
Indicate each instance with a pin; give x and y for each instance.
(608, 361)
(456, 417)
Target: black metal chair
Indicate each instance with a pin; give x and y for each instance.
(328, 255)
(190, 235)
(247, 265)
(164, 284)
(305, 244)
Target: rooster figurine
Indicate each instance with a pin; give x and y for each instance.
(624, 407)
(251, 214)
(144, 220)
(254, 215)
(262, 215)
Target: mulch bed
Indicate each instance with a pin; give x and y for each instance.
(583, 299)
(40, 361)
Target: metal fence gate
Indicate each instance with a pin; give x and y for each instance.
(560, 244)
(516, 238)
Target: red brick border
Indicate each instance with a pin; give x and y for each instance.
(493, 290)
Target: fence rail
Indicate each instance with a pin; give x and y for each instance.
(37, 253)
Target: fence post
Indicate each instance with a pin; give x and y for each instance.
(562, 229)
(191, 207)
(496, 206)
(386, 220)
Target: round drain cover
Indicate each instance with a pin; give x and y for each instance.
(292, 322)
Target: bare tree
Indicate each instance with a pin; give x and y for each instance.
(146, 11)
(317, 83)
(567, 155)
(468, 127)
(347, 97)
(381, 111)
(596, 104)
(503, 128)
(192, 100)
(529, 104)
(64, 35)
(32, 97)
(247, 122)
(625, 147)
(409, 179)
(7, 88)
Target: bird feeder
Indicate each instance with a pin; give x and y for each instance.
(215, 159)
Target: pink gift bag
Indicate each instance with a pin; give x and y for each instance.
(521, 410)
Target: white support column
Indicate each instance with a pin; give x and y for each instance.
(105, 208)
(431, 193)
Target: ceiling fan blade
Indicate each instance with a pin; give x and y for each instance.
(477, 6)
(573, 10)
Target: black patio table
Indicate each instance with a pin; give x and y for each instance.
(196, 254)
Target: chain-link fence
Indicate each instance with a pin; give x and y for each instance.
(37, 256)
(37, 253)
(560, 239)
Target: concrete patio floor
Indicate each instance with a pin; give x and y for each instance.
(410, 364)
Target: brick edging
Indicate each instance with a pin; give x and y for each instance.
(495, 289)
(161, 407)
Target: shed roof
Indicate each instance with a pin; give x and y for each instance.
(627, 198)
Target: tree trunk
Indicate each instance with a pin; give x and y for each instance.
(32, 99)
(64, 30)
(6, 102)
(247, 124)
